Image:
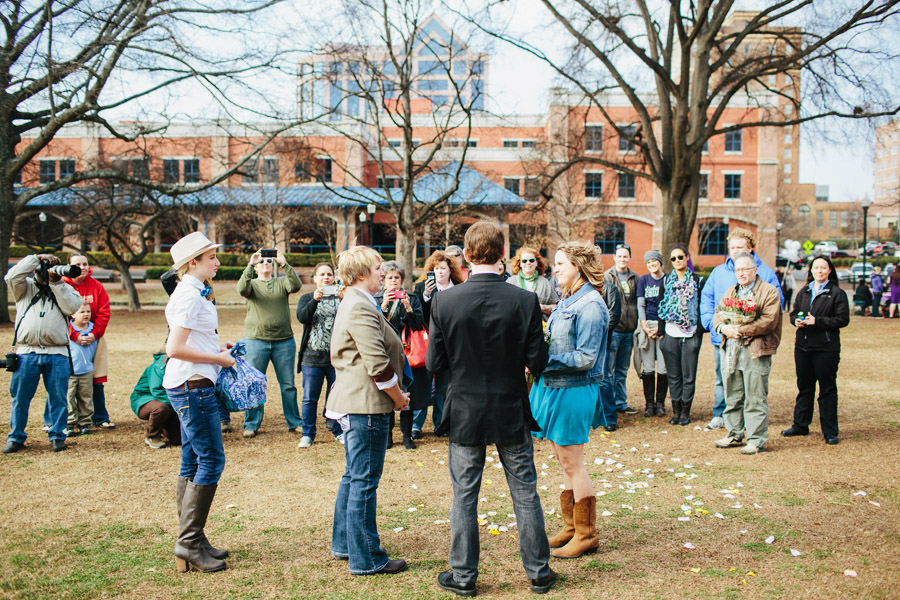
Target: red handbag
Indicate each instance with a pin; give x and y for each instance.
(415, 344)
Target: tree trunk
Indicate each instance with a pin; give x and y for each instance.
(406, 249)
(679, 216)
(134, 302)
(5, 240)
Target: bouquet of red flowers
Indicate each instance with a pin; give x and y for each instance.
(735, 311)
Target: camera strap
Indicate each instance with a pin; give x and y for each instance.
(34, 300)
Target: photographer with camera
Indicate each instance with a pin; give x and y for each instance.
(42, 333)
(267, 330)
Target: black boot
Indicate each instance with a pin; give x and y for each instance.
(649, 407)
(406, 423)
(189, 549)
(179, 498)
(662, 388)
(676, 413)
(390, 440)
(685, 416)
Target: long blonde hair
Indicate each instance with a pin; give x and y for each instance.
(587, 258)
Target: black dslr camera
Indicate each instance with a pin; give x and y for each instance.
(42, 273)
(10, 363)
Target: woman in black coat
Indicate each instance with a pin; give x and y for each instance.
(824, 309)
(404, 312)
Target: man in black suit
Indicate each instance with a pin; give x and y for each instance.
(484, 333)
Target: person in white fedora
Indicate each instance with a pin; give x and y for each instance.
(195, 358)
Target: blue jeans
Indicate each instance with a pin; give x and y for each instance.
(719, 406)
(354, 534)
(100, 416)
(313, 378)
(202, 452)
(618, 359)
(466, 468)
(439, 386)
(281, 354)
(55, 370)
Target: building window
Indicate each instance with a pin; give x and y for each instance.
(626, 186)
(66, 167)
(704, 186)
(18, 178)
(593, 138)
(787, 139)
(845, 218)
(191, 170)
(787, 153)
(250, 171)
(788, 109)
(513, 184)
(389, 182)
(136, 167)
(733, 186)
(832, 218)
(319, 170)
(593, 185)
(510, 143)
(734, 141)
(626, 135)
(608, 235)
(803, 211)
(528, 143)
(787, 168)
(47, 171)
(269, 172)
(705, 149)
(171, 171)
(713, 238)
(820, 218)
(325, 165)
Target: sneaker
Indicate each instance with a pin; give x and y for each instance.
(716, 423)
(12, 447)
(416, 434)
(751, 449)
(249, 433)
(85, 430)
(295, 429)
(45, 429)
(628, 411)
(107, 425)
(340, 438)
(70, 431)
(226, 427)
(155, 442)
(727, 442)
(58, 445)
(305, 442)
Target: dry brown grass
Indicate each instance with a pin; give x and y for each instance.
(99, 519)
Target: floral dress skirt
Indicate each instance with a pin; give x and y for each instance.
(564, 414)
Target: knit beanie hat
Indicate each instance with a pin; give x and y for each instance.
(653, 255)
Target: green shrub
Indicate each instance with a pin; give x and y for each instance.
(224, 273)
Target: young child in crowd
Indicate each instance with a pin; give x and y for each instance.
(81, 382)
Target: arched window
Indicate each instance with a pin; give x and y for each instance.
(712, 237)
(608, 234)
(785, 212)
(803, 211)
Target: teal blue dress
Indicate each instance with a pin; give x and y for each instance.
(564, 414)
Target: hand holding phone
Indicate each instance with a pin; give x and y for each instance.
(330, 290)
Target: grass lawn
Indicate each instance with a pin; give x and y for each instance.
(99, 520)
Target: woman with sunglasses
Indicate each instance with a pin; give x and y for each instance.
(267, 331)
(680, 309)
(527, 265)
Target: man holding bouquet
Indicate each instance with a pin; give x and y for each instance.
(749, 319)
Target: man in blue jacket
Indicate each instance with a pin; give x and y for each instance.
(720, 281)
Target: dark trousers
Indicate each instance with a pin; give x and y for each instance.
(681, 356)
(817, 366)
(876, 304)
(160, 417)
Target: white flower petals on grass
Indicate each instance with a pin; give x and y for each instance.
(689, 546)
(850, 573)
(684, 518)
(796, 552)
(860, 493)
(719, 515)
(770, 539)
(398, 529)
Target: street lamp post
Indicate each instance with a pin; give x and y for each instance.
(43, 219)
(362, 221)
(866, 202)
(778, 227)
(371, 208)
(878, 226)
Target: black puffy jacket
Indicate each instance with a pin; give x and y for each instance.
(831, 310)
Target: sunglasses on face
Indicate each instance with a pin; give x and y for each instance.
(268, 261)
(528, 260)
(679, 257)
(626, 246)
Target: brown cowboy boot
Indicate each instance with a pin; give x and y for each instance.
(567, 508)
(585, 540)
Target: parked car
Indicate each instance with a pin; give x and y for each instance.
(873, 248)
(889, 248)
(826, 248)
(856, 273)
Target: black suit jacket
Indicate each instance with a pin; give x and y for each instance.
(485, 332)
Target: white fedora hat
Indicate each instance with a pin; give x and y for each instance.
(190, 246)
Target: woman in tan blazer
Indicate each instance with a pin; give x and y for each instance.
(368, 360)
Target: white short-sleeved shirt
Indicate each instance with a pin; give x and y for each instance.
(188, 309)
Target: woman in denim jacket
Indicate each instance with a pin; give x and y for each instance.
(565, 399)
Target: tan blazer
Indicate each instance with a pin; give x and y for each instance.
(763, 334)
(364, 347)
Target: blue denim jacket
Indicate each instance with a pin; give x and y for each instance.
(578, 331)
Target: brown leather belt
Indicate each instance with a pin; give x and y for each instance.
(193, 384)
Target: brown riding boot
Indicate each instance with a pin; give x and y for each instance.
(179, 497)
(567, 510)
(585, 540)
(189, 549)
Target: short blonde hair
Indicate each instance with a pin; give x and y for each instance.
(356, 263)
(587, 258)
(743, 233)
